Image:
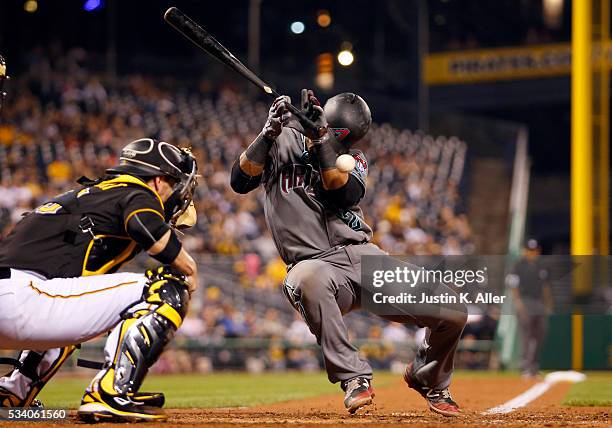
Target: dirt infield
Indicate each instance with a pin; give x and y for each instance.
(397, 404)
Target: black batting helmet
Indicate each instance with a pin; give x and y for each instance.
(348, 117)
(3, 77)
(147, 158)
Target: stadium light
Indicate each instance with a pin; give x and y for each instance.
(325, 71)
(346, 58)
(323, 18)
(297, 27)
(552, 11)
(92, 5)
(30, 6)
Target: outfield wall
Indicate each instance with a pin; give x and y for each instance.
(597, 343)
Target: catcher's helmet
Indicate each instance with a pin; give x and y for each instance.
(348, 117)
(3, 77)
(147, 158)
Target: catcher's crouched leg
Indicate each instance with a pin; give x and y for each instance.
(134, 346)
(32, 371)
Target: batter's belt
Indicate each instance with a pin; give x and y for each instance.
(318, 256)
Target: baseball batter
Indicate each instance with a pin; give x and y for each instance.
(58, 287)
(312, 211)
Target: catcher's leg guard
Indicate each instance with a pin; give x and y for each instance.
(134, 346)
(32, 371)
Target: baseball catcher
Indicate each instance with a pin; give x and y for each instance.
(312, 210)
(58, 286)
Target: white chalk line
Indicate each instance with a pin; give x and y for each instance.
(536, 391)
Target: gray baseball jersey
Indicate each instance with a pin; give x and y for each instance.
(326, 283)
(302, 223)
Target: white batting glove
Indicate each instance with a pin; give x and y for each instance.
(278, 116)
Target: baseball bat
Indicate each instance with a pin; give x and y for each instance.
(205, 41)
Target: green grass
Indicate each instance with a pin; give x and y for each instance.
(229, 389)
(213, 390)
(596, 390)
(243, 390)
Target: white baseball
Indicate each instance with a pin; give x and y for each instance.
(345, 163)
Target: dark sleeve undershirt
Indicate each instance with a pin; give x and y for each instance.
(146, 228)
(346, 196)
(143, 218)
(242, 182)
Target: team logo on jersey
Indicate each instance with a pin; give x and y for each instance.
(361, 165)
(298, 176)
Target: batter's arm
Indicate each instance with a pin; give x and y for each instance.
(248, 169)
(347, 195)
(334, 179)
(326, 149)
(351, 189)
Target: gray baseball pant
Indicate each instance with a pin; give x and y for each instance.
(326, 288)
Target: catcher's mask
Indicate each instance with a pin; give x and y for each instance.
(147, 158)
(348, 117)
(3, 77)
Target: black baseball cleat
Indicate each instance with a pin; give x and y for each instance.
(8, 399)
(438, 400)
(358, 393)
(98, 406)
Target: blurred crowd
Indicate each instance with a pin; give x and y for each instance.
(61, 122)
(225, 338)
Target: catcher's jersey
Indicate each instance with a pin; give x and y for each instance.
(81, 232)
(303, 224)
